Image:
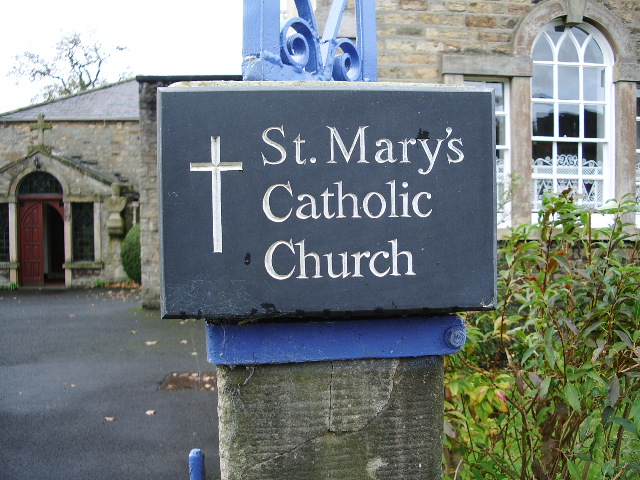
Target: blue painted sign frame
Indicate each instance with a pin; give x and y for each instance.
(295, 342)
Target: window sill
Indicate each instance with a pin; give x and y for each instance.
(83, 265)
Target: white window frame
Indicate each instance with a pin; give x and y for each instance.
(607, 141)
(502, 178)
(638, 151)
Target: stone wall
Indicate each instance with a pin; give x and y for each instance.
(414, 34)
(109, 147)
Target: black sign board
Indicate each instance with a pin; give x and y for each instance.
(326, 200)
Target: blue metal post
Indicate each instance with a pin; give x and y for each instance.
(260, 33)
(196, 465)
(366, 30)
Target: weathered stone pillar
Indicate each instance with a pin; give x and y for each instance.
(347, 420)
(149, 237)
(521, 152)
(625, 138)
(625, 141)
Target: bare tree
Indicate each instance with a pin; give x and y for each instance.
(76, 67)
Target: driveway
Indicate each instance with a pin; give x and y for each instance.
(80, 388)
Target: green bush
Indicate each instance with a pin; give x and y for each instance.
(130, 254)
(547, 385)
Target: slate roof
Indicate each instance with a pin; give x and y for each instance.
(118, 101)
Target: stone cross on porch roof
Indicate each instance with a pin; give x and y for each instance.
(41, 126)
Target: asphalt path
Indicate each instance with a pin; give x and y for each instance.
(80, 372)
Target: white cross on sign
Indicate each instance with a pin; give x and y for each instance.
(215, 167)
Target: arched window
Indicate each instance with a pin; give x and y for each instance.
(40, 183)
(572, 114)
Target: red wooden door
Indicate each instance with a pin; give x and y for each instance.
(31, 243)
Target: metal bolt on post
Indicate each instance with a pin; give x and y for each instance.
(456, 337)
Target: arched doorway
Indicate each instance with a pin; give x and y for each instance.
(41, 230)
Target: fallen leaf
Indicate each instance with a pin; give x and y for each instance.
(150, 412)
(110, 419)
(151, 343)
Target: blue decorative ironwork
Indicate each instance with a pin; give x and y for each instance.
(294, 50)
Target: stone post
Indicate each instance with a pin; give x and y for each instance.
(352, 419)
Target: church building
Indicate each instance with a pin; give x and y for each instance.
(68, 187)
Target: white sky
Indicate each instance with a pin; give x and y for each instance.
(198, 37)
